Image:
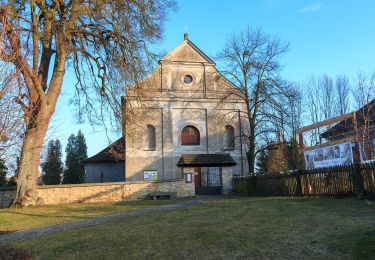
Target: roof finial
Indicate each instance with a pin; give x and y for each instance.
(186, 36)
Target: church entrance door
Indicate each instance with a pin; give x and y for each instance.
(207, 182)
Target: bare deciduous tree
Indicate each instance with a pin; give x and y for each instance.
(320, 100)
(364, 91)
(343, 94)
(364, 95)
(294, 110)
(327, 94)
(11, 120)
(104, 42)
(252, 62)
(314, 107)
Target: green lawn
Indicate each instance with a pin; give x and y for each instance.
(14, 219)
(233, 228)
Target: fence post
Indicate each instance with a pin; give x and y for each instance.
(299, 184)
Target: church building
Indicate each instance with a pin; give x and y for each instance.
(185, 120)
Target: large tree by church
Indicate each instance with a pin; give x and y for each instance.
(251, 60)
(76, 152)
(103, 42)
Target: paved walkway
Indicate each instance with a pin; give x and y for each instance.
(26, 234)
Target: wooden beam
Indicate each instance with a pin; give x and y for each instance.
(325, 122)
(330, 143)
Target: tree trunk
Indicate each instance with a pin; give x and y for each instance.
(28, 171)
(251, 152)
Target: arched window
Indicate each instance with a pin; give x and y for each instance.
(229, 138)
(150, 138)
(190, 136)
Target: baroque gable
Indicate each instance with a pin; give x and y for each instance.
(185, 72)
(187, 52)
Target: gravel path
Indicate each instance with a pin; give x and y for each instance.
(26, 234)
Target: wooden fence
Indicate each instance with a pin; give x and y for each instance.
(350, 180)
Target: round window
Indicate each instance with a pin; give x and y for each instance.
(188, 79)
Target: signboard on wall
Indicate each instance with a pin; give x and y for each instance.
(334, 155)
(150, 175)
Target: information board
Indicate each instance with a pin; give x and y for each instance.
(334, 155)
(150, 175)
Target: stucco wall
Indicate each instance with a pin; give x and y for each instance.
(102, 192)
(105, 172)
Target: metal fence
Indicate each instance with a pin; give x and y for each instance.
(349, 180)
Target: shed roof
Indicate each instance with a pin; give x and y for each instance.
(206, 160)
(115, 152)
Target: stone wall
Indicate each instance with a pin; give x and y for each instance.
(7, 195)
(102, 192)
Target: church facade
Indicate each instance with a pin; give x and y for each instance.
(185, 120)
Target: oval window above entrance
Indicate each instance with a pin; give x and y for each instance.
(188, 79)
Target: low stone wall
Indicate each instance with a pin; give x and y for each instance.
(102, 192)
(7, 195)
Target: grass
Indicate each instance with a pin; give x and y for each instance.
(233, 228)
(15, 219)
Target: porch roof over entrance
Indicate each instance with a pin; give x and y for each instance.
(206, 160)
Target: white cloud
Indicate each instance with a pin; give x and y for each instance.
(310, 8)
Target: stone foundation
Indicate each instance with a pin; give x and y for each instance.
(102, 192)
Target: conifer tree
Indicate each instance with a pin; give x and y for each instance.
(3, 173)
(76, 152)
(262, 161)
(293, 155)
(82, 154)
(53, 166)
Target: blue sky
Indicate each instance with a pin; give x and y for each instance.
(326, 37)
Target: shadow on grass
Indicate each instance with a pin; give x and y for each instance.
(51, 215)
(93, 208)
